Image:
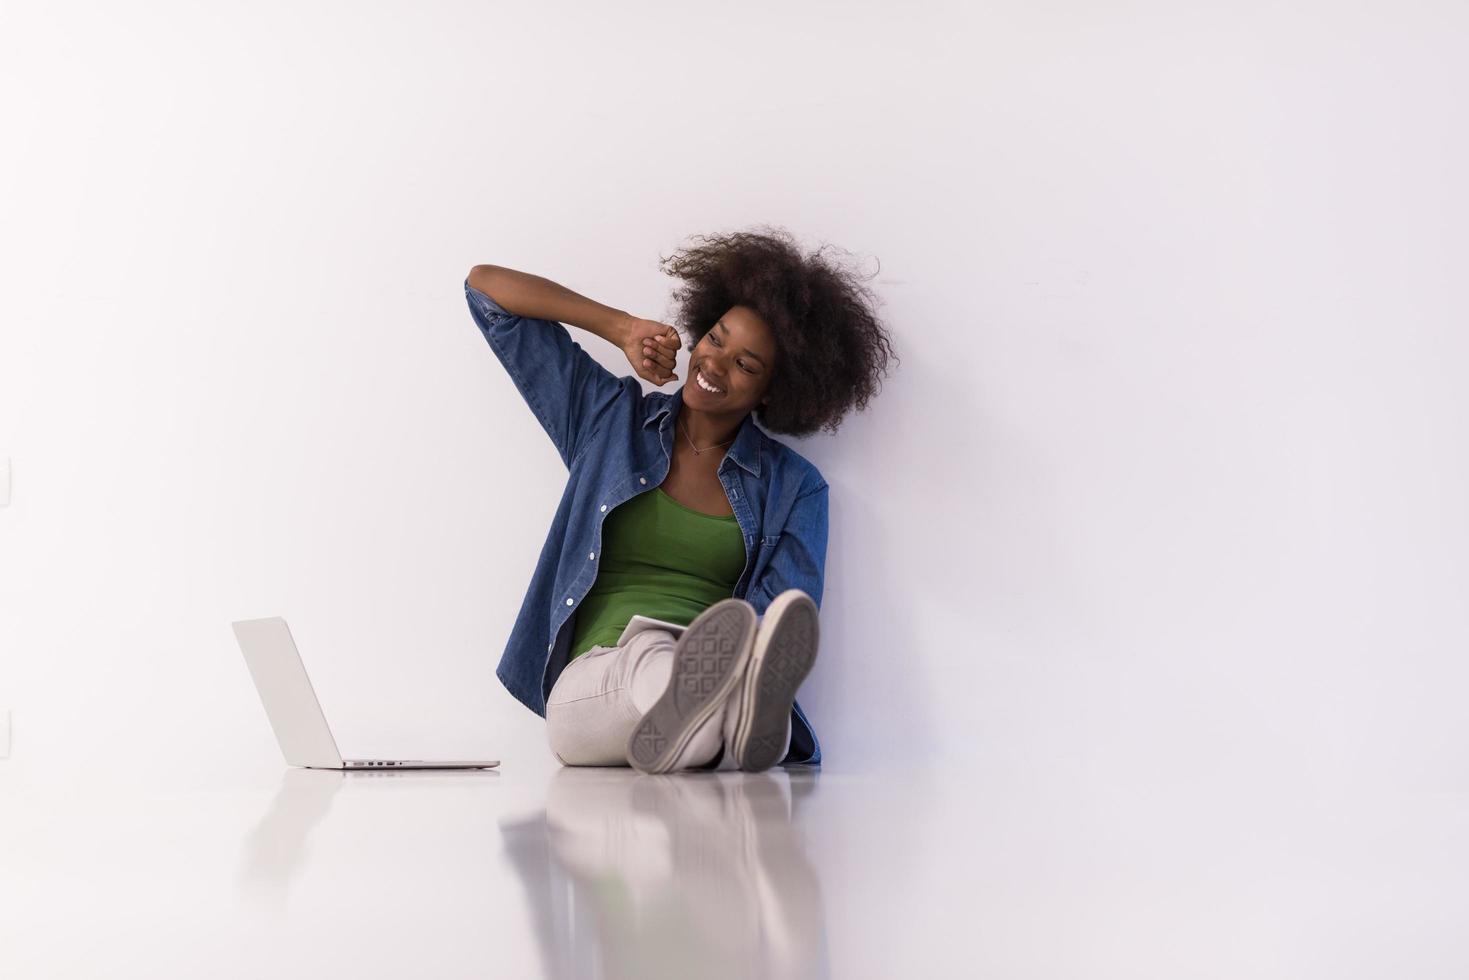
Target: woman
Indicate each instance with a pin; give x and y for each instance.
(678, 507)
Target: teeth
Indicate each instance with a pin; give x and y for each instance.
(706, 385)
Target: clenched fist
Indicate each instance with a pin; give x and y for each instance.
(652, 349)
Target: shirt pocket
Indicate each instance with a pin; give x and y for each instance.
(765, 548)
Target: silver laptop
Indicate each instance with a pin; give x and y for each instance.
(295, 714)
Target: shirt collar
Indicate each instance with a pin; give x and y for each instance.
(745, 450)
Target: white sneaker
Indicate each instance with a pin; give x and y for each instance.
(707, 665)
(784, 651)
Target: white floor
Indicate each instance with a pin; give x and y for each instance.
(606, 873)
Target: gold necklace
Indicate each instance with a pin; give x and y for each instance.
(696, 449)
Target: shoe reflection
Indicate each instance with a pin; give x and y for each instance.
(688, 875)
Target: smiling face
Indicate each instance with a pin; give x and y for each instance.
(737, 356)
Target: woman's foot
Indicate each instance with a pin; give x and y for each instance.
(708, 662)
(784, 651)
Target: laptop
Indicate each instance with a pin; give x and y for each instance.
(295, 714)
(639, 622)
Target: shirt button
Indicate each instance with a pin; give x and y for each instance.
(591, 555)
(550, 647)
(568, 602)
(604, 506)
(642, 479)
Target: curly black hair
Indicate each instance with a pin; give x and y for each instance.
(829, 341)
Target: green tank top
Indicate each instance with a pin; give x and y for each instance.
(659, 559)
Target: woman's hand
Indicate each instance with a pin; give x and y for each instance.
(652, 349)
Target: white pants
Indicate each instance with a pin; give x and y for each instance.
(602, 695)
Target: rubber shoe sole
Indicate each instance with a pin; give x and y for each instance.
(783, 655)
(707, 663)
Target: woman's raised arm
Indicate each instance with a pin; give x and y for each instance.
(533, 296)
(527, 295)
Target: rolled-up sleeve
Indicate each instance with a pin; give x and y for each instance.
(799, 559)
(565, 387)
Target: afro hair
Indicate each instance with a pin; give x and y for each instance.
(831, 349)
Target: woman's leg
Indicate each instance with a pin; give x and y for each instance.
(602, 695)
(682, 729)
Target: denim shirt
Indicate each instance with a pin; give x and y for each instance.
(617, 442)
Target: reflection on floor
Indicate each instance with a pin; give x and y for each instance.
(685, 876)
(1062, 870)
(624, 875)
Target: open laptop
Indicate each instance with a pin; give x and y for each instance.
(290, 703)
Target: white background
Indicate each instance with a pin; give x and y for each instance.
(1169, 483)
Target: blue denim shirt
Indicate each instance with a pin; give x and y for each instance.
(617, 442)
